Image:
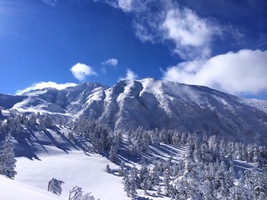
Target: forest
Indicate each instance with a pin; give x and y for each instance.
(208, 168)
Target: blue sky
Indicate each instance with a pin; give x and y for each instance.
(219, 44)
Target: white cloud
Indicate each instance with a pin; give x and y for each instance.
(130, 75)
(165, 20)
(111, 61)
(81, 71)
(243, 72)
(42, 85)
(125, 5)
(50, 2)
(191, 34)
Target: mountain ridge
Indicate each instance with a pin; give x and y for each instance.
(151, 103)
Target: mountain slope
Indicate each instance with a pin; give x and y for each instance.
(153, 104)
(14, 190)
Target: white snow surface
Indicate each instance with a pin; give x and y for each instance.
(75, 169)
(14, 190)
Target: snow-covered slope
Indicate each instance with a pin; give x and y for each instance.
(75, 169)
(152, 104)
(13, 190)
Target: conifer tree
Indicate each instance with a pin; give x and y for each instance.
(113, 156)
(54, 186)
(7, 158)
(130, 185)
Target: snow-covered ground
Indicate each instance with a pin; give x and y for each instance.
(75, 169)
(14, 190)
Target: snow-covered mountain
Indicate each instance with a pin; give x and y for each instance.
(151, 104)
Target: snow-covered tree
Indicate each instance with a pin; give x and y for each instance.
(113, 156)
(93, 131)
(76, 193)
(130, 185)
(159, 191)
(166, 180)
(108, 168)
(45, 122)
(144, 177)
(54, 186)
(7, 158)
(122, 169)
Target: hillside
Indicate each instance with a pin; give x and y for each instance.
(141, 140)
(14, 190)
(151, 104)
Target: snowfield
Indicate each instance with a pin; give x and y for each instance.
(13, 190)
(75, 169)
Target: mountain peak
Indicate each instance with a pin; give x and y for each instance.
(151, 103)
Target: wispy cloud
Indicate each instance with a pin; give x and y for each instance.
(191, 34)
(125, 5)
(111, 61)
(42, 85)
(50, 2)
(81, 71)
(130, 75)
(165, 20)
(243, 72)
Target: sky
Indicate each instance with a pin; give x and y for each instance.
(60, 43)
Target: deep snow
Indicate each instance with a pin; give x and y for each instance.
(14, 190)
(75, 169)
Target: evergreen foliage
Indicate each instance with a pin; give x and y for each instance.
(54, 186)
(7, 158)
(76, 193)
(93, 132)
(207, 170)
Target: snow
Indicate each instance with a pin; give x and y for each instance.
(151, 103)
(165, 152)
(33, 92)
(84, 170)
(74, 168)
(259, 104)
(151, 85)
(243, 165)
(13, 190)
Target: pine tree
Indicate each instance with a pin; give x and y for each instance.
(122, 169)
(7, 158)
(166, 180)
(108, 170)
(76, 193)
(130, 186)
(54, 186)
(113, 156)
(159, 191)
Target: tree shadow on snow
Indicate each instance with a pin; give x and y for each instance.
(142, 198)
(32, 140)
